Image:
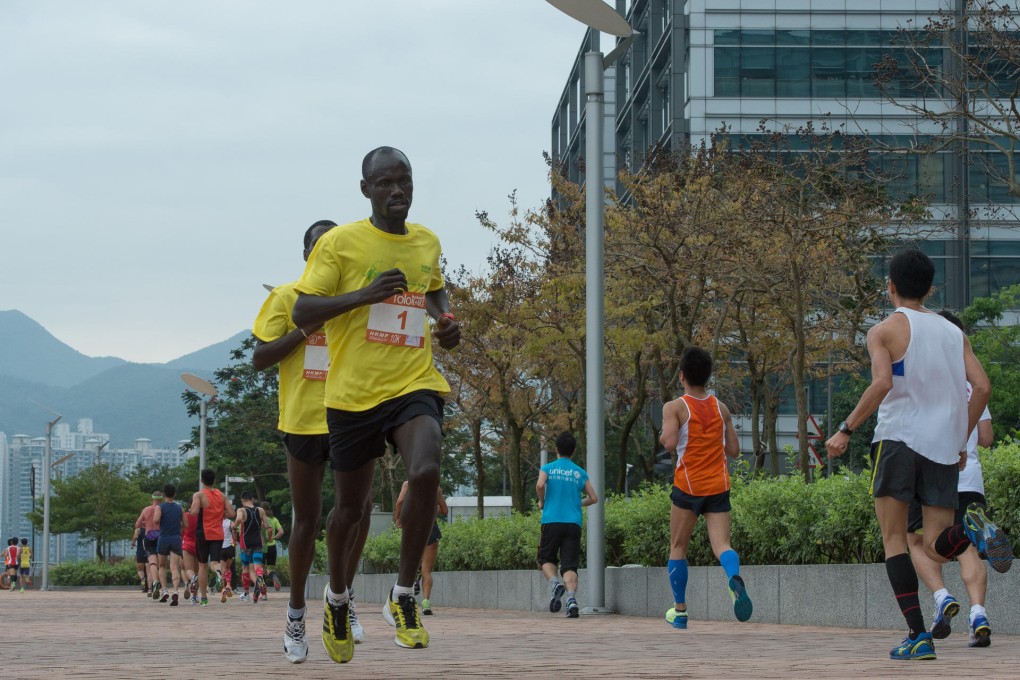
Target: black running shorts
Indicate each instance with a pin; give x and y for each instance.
(435, 535)
(902, 473)
(209, 550)
(270, 555)
(356, 437)
(560, 544)
(700, 505)
(312, 449)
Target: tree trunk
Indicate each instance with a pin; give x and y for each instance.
(629, 422)
(756, 440)
(476, 443)
(771, 404)
(516, 479)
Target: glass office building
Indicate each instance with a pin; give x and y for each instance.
(701, 65)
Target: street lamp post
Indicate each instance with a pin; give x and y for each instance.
(202, 386)
(48, 452)
(598, 16)
(60, 477)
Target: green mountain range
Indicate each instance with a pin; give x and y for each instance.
(125, 399)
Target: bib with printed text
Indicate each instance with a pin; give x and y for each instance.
(398, 320)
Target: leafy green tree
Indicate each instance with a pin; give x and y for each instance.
(98, 503)
(997, 346)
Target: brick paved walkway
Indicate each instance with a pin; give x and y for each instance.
(119, 634)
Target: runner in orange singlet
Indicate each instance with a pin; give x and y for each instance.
(210, 507)
(699, 427)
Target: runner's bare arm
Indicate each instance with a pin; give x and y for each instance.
(871, 399)
(540, 488)
(399, 505)
(437, 303)
(986, 436)
(981, 389)
(310, 310)
(674, 415)
(268, 354)
(441, 502)
(730, 440)
(590, 498)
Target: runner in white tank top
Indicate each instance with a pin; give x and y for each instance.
(920, 365)
(926, 408)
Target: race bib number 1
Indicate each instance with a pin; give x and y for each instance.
(316, 357)
(399, 320)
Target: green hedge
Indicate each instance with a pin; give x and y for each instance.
(121, 573)
(94, 574)
(775, 520)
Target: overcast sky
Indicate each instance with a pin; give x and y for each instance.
(159, 161)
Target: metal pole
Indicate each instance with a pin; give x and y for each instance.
(828, 409)
(46, 505)
(594, 324)
(201, 441)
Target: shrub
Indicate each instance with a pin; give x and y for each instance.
(94, 574)
(775, 520)
(1001, 469)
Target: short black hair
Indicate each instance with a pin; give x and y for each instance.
(953, 319)
(208, 476)
(246, 496)
(24, 541)
(267, 506)
(309, 230)
(169, 490)
(369, 160)
(696, 365)
(566, 444)
(912, 272)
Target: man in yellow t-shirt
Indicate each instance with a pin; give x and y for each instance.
(374, 284)
(301, 354)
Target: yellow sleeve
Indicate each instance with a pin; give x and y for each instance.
(322, 272)
(273, 321)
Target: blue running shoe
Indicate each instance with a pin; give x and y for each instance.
(944, 613)
(920, 648)
(742, 607)
(677, 619)
(980, 632)
(988, 538)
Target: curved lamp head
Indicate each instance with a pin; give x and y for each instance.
(199, 384)
(595, 14)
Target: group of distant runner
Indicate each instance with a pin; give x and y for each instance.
(196, 547)
(17, 564)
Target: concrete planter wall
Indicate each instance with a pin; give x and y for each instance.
(841, 595)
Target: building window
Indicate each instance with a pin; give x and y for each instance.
(821, 64)
(994, 265)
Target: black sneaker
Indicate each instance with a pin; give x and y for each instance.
(572, 610)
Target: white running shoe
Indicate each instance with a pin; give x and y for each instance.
(357, 630)
(295, 642)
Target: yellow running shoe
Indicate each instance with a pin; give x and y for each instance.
(336, 630)
(403, 614)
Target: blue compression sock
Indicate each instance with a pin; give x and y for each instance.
(677, 570)
(730, 563)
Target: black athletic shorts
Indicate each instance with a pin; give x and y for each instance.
(141, 557)
(435, 535)
(169, 544)
(700, 505)
(560, 544)
(902, 473)
(915, 519)
(150, 547)
(228, 553)
(356, 437)
(208, 550)
(312, 449)
(270, 555)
